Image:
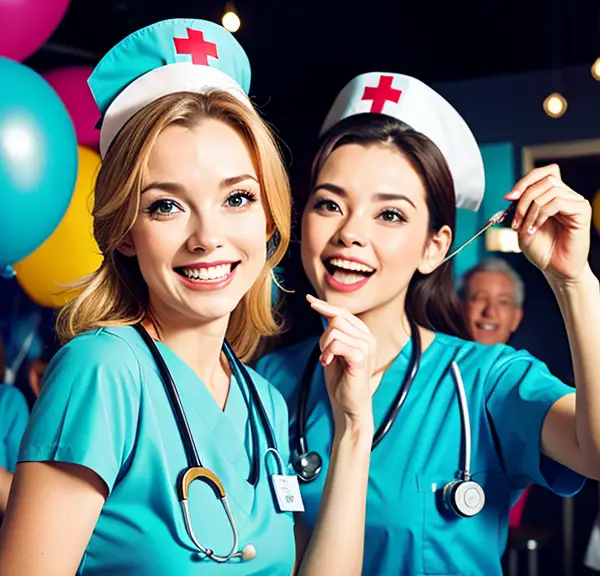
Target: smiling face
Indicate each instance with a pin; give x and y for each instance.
(365, 229)
(200, 235)
(491, 308)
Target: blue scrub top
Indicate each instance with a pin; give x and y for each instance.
(408, 529)
(103, 405)
(14, 415)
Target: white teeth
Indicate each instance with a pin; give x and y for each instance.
(350, 265)
(482, 326)
(347, 277)
(211, 273)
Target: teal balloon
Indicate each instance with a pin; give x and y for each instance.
(38, 161)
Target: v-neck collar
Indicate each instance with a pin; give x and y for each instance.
(226, 427)
(383, 397)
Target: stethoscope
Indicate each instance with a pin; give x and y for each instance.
(195, 470)
(463, 495)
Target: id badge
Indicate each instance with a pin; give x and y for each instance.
(287, 492)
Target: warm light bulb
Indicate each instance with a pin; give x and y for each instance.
(555, 105)
(231, 21)
(596, 69)
(502, 239)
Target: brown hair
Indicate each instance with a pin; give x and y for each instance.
(431, 300)
(117, 294)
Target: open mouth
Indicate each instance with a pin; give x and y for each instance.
(485, 326)
(348, 271)
(207, 273)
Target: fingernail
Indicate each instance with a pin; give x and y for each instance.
(515, 223)
(512, 195)
(532, 230)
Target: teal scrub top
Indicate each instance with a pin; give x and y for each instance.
(103, 406)
(408, 529)
(14, 415)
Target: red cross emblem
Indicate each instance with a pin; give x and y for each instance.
(382, 94)
(196, 46)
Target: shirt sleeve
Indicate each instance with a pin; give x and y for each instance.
(14, 415)
(88, 409)
(521, 391)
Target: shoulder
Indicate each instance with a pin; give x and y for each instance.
(284, 368)
(91, 356)
(491, 363)
(11, 400)
(491, 356)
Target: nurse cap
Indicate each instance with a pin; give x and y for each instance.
(180, 55)
(425, 111)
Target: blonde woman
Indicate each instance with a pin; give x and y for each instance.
(152, 449)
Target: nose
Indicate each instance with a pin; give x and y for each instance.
(206, 235)
(490, 309)
(352, 232)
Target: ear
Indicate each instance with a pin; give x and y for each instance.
(518, 318)
(127, 247)
(436, 248)
(36, 374)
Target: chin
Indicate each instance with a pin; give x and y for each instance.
(355, 302)
(489, 339)
(210, 313)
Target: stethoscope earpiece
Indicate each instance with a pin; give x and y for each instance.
(308, 466)
(248, 552)
(465, 497)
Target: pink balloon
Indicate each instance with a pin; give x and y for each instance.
(70, 83)
(26, 24)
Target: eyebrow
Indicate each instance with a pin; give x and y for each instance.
(227, 182)
(176, 188)
(500, 295)
(378, 197)
(172, 187)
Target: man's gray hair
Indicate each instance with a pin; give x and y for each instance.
(498, 266)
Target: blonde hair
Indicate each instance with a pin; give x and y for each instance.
(116, 294)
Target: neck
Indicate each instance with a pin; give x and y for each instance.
(389, 324)
(199, 345)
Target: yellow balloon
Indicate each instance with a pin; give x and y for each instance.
(70, 253)
(596, 210)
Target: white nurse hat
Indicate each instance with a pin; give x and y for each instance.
(178, 55)
(425, 111)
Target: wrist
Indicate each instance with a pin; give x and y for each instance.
(356, 430)
(586, 282)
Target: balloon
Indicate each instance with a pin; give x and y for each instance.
(71, 85)
(38, 161)
(26, 24)
(71, 253)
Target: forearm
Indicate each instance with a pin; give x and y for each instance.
(579, 303)
(5, 482)
(337, 542)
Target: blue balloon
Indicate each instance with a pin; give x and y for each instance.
(38, 161)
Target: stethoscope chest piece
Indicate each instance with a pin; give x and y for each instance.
(308, 466)
(465, 497)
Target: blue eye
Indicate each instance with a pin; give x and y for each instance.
(240, 198)
(163, 207)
